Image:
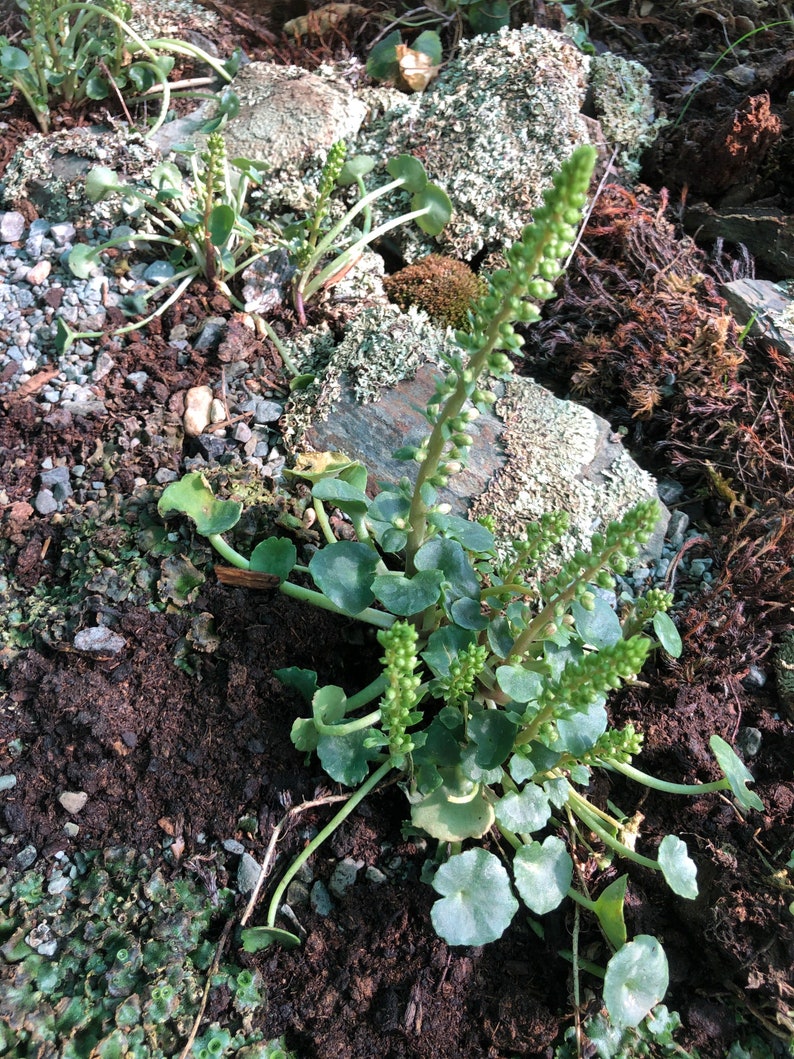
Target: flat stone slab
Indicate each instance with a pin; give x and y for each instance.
(535, 453)
(774, 310)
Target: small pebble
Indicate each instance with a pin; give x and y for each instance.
(198, 402)
(73, 801)
(99, 640)
(45, 503)
(247, 873)
(344, 876)
(8, 782)
(12, 226)
(267, 411)
(71, 829)
(756, 678)
(137, 380)
(320, 899)
(26, 857)
(231, 845)
(217, 411)
(749, 741)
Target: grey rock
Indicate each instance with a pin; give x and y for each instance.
(159, 272)
(45, 503)
(268, 411)
(231, 845)
(344, 876)
(26, 857)
(320, 899)
(73, 801)
(163, 475)
(298, 894)
(8, 781)
(748, 741)
(12, 226)
(58, 883)
(211, 333)
(57, 480)
(71, 829)
(99, 640)
(137, 380)
(242, 433)
(247, 873)
(756, 678)
(62, 233)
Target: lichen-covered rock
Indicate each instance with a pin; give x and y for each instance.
(625, 107)
(491, 130)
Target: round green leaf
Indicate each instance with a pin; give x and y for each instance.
(543, 874)
(439, 208)
(100, 182)
(449, 557)
(678, 867)
(472, 535)
(667, 633)
(141, 75)
(304, 734)
(524, 811)
(737, 775)
(83, 260)
(477, 904)
(599, 627)
(221, 223)
(636, 980)
(521, 685)
(405, 596)
(357, 167)
(276, 556)
(489, 16)
(344, 572)
(345, 757)
(96, 87)
(341, 494)
(382, 64)
(494, 733)
(412, 173)
(192, 496)
(13, 59)
(453, 821)
(429, 44)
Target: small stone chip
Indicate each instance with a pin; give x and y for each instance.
(99, 640)
(73, 801)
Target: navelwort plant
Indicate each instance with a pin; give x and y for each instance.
(491, 704)
(201, 220)
(79, 52)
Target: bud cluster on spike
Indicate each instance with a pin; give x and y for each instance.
(457, 688)
(615, 745)
(581, 683)
(397, 705)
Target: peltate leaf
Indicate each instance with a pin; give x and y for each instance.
(449, 557)
(477, 903)
(344, 572)
(101, 181)
(443, 647)
(543, 873)
(192, 496)
(221, 223)
(439, 208)
(599, 627)
(521, 685)
(341, 494)
(382, 64)
(524, 811)
(303, 680)
(405, 596)
(345, 757)
(411, 171)
(636, 980)
(451, 820)
(494, 734)
(276, 555)
(83, 260)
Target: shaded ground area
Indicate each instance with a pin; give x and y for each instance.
(173, 753)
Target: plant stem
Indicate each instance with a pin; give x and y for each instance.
(354, 799)
(585, 812)
(694, 789)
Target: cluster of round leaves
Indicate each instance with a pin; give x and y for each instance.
(132, 954)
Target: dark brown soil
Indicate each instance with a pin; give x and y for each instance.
(164, 754)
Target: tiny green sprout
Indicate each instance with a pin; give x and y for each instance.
(492, 698)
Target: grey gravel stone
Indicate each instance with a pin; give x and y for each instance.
(8, 781)
(749, 741)
(242, 433)
(267, 411)
(247, 873)
(231, 845)
(45, 503)
(73, 801)
(211, 333)
(26, 857)
(344, 876)
(12, 226)
(137, 380)
(99, 640)
(159, 272)
(320, 899)
(57, 480)
(756, 678)
(62, 233)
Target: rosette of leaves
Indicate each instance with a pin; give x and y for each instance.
(111, 960)
(79, 52)
(495, 683)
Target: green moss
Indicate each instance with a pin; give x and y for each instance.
(443, 287)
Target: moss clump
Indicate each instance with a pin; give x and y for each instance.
(443, 287)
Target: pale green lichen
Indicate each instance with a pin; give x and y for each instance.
(491, 130)
(625, 107)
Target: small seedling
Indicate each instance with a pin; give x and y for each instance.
(429, 207)
(492, 701)
(202, 222)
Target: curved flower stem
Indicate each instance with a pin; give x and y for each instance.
(587, 815)
(354, 799)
